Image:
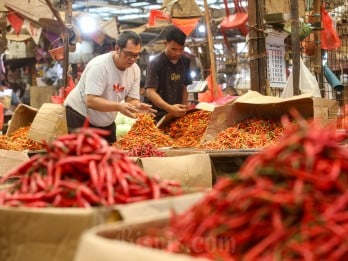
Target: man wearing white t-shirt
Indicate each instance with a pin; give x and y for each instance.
(110, 83)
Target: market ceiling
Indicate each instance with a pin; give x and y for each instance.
(135, 13)
(130, 11)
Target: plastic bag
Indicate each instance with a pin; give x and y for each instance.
(307, 84)
(329, 36)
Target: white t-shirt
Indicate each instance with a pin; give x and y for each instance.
(102, 78)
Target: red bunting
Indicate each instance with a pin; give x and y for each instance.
(212, 94)
(187, 25)
(157, 15)
(16, 21)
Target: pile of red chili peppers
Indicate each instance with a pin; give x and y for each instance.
(249, 134)
(81, 170)
(144, 130)
(188, 130)
(288, 202)
(19, 141)
(144, 150)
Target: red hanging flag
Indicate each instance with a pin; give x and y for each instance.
(16, 21)
(212, 93)
(187, 25)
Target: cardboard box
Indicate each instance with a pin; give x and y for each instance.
(272, 6)
(193, 170)
(22, 116)
(173, 152)
(325, 109)
(42, 234)
(158, 207)
(49, 123)
(10, 159)
(253, 104)
(116, 242)
(40, 95)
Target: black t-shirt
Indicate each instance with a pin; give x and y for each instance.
(169, 80)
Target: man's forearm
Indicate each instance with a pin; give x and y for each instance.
(135, 102)
(156, 99)
(100, 104)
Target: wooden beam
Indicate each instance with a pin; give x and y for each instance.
(257, 47)
(318, 68)
(295, 45)
(253, 49)
(211, 50)
(68, 21)
(261, 45)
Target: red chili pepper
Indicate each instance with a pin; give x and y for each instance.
(28, 197)
(93, 171)
(109, 187)
(37, 204)
(79, 159)
(83, 203)
(155, 188)
(120, 179)
(57, 176)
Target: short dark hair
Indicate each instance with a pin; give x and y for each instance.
(123, 38)
(173, 33)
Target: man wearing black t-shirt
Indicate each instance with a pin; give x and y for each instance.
(167, 77)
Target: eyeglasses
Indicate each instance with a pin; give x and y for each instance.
(130, 55)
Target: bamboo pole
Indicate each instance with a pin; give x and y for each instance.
(68, 19)
(264, 85)
(253, 49)
(3, 40)
(56, 14)
(211, 50)
(295, 45)
(257, 48)
(316, 17)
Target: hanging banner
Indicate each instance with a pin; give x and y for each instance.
(34, 31)
(16, 21)
(110, 28)
(187, 25)
(211, 94)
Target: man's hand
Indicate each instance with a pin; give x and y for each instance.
(128, 109)
(147, 108)
(177, 110)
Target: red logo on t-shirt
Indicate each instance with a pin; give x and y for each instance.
(118, 88)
